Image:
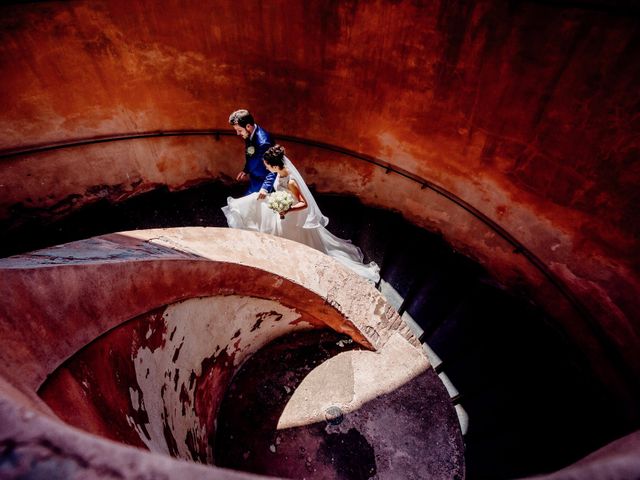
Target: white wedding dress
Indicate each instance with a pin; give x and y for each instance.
(305, 226)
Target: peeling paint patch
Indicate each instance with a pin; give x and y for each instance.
(184, 375)
(257, 324)
(176, 354)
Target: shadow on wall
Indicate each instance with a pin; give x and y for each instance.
(307, 419)
(160, 208)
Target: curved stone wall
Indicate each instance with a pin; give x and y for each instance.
(523, 110)
(209, 299)
(74, 293)
(158, 380)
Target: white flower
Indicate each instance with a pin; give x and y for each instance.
(251, 150)
(280, 201)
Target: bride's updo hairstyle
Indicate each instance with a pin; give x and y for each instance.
(275, 156)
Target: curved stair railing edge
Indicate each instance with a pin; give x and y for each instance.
(518, 247)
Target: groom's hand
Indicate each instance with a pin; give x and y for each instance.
(261, 194)
(241, 176)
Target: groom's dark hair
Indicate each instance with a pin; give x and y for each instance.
(275, 156)
(242, 118)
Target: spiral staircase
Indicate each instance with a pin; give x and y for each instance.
(525, 401)
(498, 142)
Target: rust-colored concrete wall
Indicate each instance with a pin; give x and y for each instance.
(526, 110)
(158, 380)
(69, 295)
(239, 290)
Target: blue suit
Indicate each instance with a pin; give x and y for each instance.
(255, 147)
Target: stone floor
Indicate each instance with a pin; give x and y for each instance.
(313, 405)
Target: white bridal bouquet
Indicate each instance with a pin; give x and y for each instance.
(280, 202)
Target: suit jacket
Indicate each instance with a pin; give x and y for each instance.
(255, 147)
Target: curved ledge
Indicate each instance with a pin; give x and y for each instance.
(518, 247)
(94, 285)
(201, 283)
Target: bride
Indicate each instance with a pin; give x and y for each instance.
(303, 222)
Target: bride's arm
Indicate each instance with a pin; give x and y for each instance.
(297, 195)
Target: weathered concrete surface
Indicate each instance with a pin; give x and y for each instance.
(527, 111)
(63, 303)
(323, 410)
(55, 183)
(202, 300)
(369, 377)
(34, 447)
(157, 380)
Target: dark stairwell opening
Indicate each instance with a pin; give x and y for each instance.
(525, 396)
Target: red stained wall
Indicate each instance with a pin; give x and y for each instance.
(526, 110)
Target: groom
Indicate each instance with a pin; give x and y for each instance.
(257, 142)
